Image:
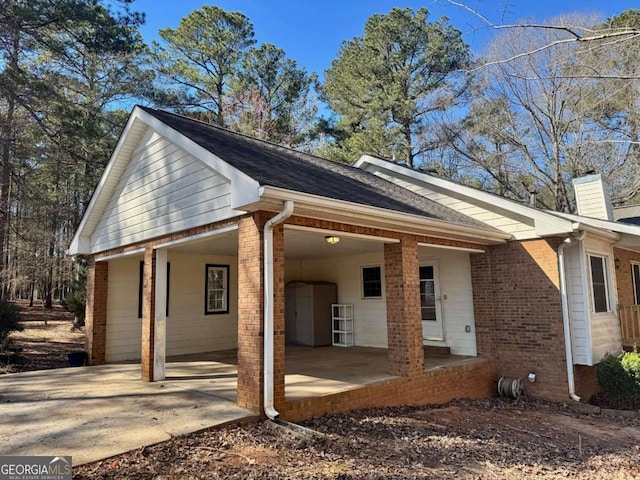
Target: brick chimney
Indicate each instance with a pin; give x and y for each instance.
(592, 197)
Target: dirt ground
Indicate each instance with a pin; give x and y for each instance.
(467, 439)
(46, 340)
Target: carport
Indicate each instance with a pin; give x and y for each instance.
(93, 413)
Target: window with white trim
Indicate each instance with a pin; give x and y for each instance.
(216, 289)
(635, 275)
(599, 283)
(372, 282)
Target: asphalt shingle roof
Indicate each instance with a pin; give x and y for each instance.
(276, 166)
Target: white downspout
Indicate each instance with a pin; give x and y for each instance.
(565, 315)
(286, 212)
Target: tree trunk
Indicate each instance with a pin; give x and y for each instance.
(5, 185)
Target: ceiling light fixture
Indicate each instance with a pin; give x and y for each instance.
(332, 239)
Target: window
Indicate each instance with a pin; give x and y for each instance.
(635, 274)
(371, 282)
(428, 294)
(599, 282)
(217, 289)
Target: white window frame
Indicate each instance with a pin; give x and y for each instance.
(607, 283)
(362, 292)
(209, 288)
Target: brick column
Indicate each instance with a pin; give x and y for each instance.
(96, 312)
(483, 302)
(148, 314)
(250, 308)
(278, 318)
(404, 322)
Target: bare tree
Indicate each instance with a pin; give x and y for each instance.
(538, 119)
(614, 32)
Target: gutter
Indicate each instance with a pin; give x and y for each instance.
(364, 214)
(286, 212)
(565, 313)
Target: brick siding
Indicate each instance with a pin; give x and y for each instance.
(404, 322)
(476, 379)
(516, 296)
(250, 308)
(148, 313)
(624, 278)
(96, 312)
(586, 381)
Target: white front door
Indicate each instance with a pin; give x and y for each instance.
(430, 302)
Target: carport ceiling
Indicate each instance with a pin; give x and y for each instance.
(299, 244)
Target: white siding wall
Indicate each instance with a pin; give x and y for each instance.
(509, 222)
(605, 328)
(370, 315)
(578, 306)
(163, 189)
(457, 299)
(124, 328)
(189, 330)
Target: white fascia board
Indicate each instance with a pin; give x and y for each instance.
(196, 237)
(115, 256)
(605, 228)
(545, 224)
(628, 241)
(414, 223)
(448, 247)
(81, 243)
(244, 188)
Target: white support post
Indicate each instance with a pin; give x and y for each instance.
(160, 320)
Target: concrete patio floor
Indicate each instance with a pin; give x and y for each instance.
(93, 413)
(310, 371)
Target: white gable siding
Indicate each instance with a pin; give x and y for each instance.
(457, 299)
(189, 330)
(508, 222)
(577, 302)
(124, 328)
(163, 189)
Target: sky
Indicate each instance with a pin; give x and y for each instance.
(311, 31)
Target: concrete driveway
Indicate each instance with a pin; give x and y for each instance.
(93, 413)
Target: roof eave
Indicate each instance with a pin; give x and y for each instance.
(545, 224)
(365, 215)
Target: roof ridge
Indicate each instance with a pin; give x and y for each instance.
(255, 140)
